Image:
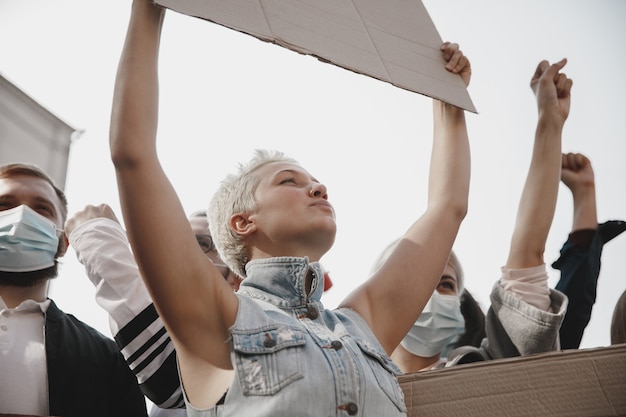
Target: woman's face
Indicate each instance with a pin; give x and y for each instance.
(448, 284)
(293, 213)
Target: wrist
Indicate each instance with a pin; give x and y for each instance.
(550, 122)
(583, 192)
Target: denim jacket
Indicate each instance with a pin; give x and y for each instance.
(293, 358)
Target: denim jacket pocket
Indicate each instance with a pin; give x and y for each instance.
(385, 372)
(268, 359)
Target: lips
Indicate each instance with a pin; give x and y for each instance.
(324, 205)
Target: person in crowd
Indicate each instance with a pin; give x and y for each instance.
(101, 245)
(580, 259)
(273, 343)
(618, 322)
(474, 318)
(525, 315)
(51, 363)
(579, 263)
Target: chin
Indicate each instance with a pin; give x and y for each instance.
(327, 239)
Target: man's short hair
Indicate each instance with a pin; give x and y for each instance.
(21, 168)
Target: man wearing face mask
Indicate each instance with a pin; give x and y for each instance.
(50, 362)
(525, 314)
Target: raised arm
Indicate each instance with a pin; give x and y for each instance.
(192, 298)
(580, 259)
(577, 174)
(400, 289)
(538, 200)
(525, 315)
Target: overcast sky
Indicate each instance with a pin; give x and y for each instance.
(368, 141)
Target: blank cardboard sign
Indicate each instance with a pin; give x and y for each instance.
(570, 383)
(394, 41)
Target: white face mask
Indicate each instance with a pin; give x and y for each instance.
(440, 322)
(28, 240)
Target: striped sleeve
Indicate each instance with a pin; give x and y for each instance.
(102, 247)
(150, 354)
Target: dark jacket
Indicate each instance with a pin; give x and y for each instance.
(87, 375)
(579, 264)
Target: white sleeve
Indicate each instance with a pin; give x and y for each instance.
(102, 247)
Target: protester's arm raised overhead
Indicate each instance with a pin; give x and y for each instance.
(400, 289)
(195, 303)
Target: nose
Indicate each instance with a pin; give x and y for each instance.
(318, 190)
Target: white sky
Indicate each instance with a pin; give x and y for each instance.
(368, 141)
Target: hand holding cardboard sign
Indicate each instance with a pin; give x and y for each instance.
(457, 63)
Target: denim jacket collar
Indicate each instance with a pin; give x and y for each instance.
(281, 281)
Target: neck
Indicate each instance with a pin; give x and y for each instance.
(13, 296)
(410, 363)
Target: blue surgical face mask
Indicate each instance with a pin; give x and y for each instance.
(28, 240)
(440, 322)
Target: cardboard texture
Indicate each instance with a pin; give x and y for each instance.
(571, 383)
(392, 40)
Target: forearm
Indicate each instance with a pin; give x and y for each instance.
(449, 176)
(135, 98)
(585, 210)
(538, 200)
(101, 246)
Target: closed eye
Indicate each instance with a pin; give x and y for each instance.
(44, 211)
(288, 180)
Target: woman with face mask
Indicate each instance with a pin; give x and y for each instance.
(432, 341)
(525, 314)
(438, 326)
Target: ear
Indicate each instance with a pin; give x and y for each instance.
(64, 243)
(243, 224)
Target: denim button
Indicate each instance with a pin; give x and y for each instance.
(336, 344)
(352, 409)
(269, 342)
